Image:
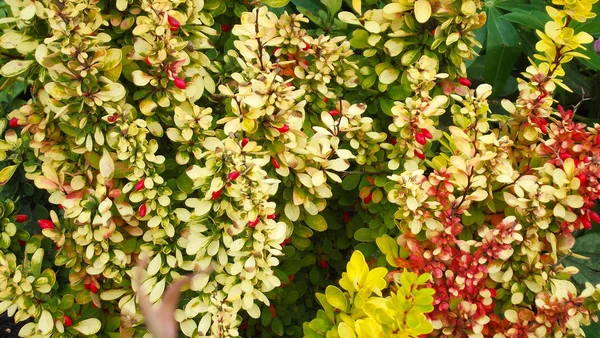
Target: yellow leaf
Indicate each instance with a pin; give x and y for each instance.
(389, 75)
(107, 165)
(356, 5)
(422, 11)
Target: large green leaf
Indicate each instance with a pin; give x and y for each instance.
(594, 58)
(534, 19)
(311, 6)
(502, 50)
(589, 269)
(592, 331)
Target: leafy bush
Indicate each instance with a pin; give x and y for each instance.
(362, 311)
(276, 147)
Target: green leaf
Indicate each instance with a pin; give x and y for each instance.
(364, 235)
(316, 222)
(587, 244)
(36, 262)
(333, 7)
(277, 326)
(276, 3)
(590, 26)
(350, 182)
(534, 20)
(502, 50)
(310, 6)
(594, 58)
(592, 331)
(185, 183)
(336, 298)
(88, 326)
(69, 129)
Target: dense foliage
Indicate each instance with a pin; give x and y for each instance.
(289, 150)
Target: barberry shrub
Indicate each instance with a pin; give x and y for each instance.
(220, 136)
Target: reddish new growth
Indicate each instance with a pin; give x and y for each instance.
(569, 139)
(173, 23)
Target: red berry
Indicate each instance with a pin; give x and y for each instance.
(174, 23)
(91, 286)
(543, 128)
(216, 194)
(60, 207)
(323, 264)
(271, 216)
(143, 209)
(597, 141)
(244, 325)
(233, 175)
(419, 154)
(21, 218)
(112, 118)
(325, 99)
(254, 223)
(426, 133)
(21, 242)
(334, 112)
(46, 224)
(368, 198)
(286, 242)
(582, 179)
(306, 47)
(433, 31)
(139, 185)
(283, 129)
(148, 61)
(180, 83)
(420, 138)
(275, 163)
(464, 81)
(346, 217)
(594, 216)
(564, 155)
(245, 141)
(394, 141)
(225, 27)
(14, 122)
(68, 322)
(586, 222)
